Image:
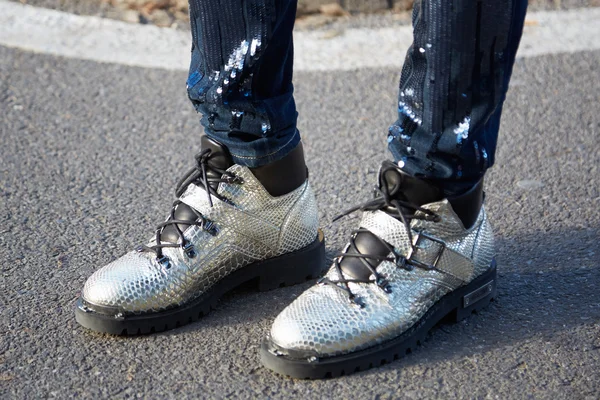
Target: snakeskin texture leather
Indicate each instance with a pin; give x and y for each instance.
(251, 226)
(322, 322)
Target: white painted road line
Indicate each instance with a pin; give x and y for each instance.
(92, 38)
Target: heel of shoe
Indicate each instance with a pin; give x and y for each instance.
(477, 295)
(293, 268)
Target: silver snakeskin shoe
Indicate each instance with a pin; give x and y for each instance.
(225, 229)
(411, 263)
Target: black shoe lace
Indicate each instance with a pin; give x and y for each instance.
(198, 175)
(404, 211)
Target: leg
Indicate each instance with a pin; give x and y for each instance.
(245, 211)
(424, 249)
(241, 76)
(452, 88)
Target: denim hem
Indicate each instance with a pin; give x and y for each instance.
(254, 161)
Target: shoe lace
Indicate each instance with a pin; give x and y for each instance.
(198, 175)
(404, 211)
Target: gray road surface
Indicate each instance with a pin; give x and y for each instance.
(90, 155)
(103, 8)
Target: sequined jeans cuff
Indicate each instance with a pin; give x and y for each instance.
(241, 76)
(453, 85)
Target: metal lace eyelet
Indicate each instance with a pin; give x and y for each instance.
(228, 201)
(384, 285)
(356, 301)
(189, 250)
(210, 227)
(164, 261)
(233, 179)
(403, 263)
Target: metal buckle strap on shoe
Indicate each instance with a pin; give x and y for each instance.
(435, 248)
(429, 252)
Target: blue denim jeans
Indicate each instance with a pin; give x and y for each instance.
(452, 88)
(241, 76)
(452, 85)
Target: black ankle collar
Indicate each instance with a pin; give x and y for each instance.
(283, 176)
(468, 204)
(412, 190)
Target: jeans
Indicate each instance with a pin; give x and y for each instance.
(241, 76)
(452, 86)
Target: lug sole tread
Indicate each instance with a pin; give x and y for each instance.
(390, 351)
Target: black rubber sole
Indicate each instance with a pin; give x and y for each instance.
(286, 270)
(455, 306)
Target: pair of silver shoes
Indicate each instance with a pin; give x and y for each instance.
(411, 263)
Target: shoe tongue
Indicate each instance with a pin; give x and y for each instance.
(219, 155)
(407, 188)
(401, 186)
(219, 158)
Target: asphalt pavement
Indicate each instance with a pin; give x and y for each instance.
(91, 153)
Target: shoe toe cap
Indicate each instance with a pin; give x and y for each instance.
(319, 324)
(130, 284)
